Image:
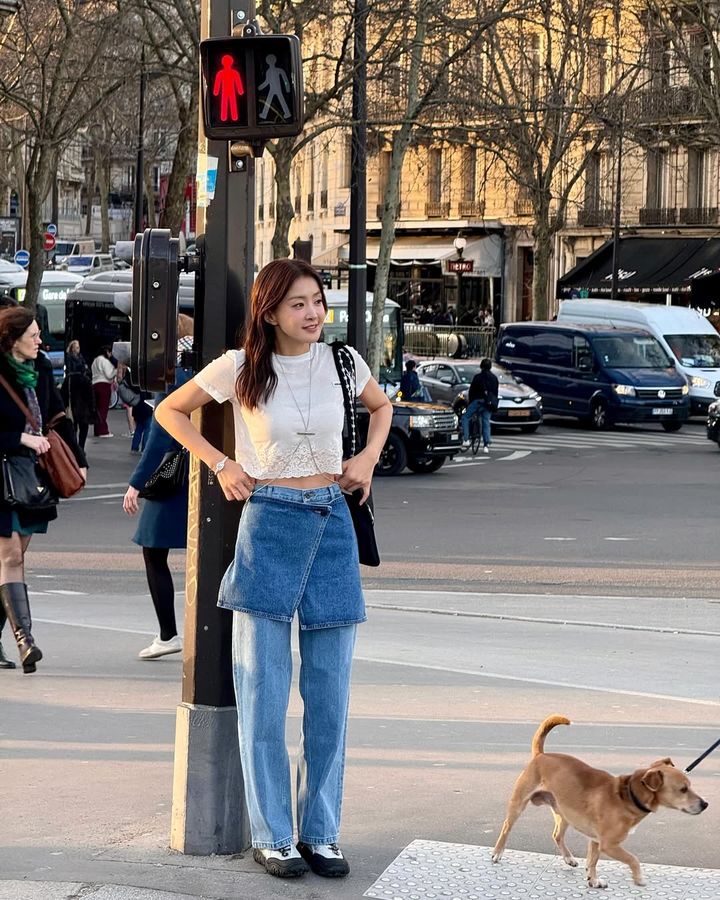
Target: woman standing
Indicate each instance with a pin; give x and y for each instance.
(103, 375)
(30, 376)
(163, 523)
(296, 552)
(77, 392)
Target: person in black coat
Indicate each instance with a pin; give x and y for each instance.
(77, 392)
(29, 375)
(483, 401)
(162, 527)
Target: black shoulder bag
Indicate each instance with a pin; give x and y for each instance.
(170, 476)
(363, 517)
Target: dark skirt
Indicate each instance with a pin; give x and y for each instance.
(163, 523)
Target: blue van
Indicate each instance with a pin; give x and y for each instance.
(601, 375)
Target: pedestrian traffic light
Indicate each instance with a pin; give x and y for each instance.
(153, 327)
(252, 87)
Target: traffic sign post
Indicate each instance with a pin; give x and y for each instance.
(52, 229)
(48, 242)
(22, 258)
(461, 266)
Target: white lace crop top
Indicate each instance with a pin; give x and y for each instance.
(272, 441)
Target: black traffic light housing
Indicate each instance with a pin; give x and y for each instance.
(252, 87)
(153, 331)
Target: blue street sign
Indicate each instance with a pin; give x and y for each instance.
(22, 258)
(51, 229)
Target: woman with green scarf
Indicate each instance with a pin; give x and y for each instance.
(28, 375)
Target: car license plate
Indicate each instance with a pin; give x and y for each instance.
(518, 412)
(662, 411)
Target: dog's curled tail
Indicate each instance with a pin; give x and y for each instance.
(538, 741)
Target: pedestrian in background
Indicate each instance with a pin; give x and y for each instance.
(410, 381)
(163, 523)
(30, 376)
(483, 401)
(296, 552)
(77, 392)
(103, 376)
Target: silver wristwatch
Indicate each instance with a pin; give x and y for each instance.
(219, 466)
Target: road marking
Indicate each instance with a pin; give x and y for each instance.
(545, 682)
(529, 595)
(516, 454)
(620, 539)
(68, 593)
(105, 487)
(559, 539)
(99, 497)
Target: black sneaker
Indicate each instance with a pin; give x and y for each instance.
(325, 859)
(284, 862)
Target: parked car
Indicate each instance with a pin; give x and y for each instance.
(90, 264)
(596, 373)
(448, 381)
(422, 437)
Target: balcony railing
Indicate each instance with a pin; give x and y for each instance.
(658, 216)
(439, 210)
(680, 101)
(472, 209)
(523, 207)
(700, 215)
(595, 216)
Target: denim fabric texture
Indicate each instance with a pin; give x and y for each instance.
(477, 406)
(262, 672)
(296, 550)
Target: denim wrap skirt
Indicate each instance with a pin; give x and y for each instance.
(296, 551)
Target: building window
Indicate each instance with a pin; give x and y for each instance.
(346, 162)
(659, 60)
(657, 178)
(597, 68)
(434, 193)
(531, 66)
(469, 173)
(697, 178)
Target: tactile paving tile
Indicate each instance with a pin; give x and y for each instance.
(432, 870)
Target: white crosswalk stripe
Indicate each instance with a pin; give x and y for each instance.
(548, 439)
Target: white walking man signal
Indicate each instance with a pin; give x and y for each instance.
(275, 81)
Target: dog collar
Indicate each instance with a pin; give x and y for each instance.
(640, 806)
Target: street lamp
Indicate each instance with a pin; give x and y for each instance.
(459, 244)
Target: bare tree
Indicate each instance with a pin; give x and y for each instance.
(559, 76)
(420, 84)
(60, 61)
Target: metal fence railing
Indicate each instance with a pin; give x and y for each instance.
(458, 341)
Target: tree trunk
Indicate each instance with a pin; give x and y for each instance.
(173, 215)
(391, 202)
(542, 253)
(37, 254)
(90, 192)
(284, 209)
(150, 195)
(103, 177)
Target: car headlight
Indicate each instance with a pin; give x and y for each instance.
(625, 390)
(421, 422)
(534, 396)
(686, 389)
(699, 382)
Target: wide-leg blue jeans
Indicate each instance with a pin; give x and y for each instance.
(262, 668)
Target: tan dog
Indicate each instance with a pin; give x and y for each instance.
(604, 807)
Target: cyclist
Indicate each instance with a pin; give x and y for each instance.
(482, 401)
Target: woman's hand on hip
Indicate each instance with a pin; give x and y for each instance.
(235, 482)
(357, 474)
(35, 442)
(130, 500)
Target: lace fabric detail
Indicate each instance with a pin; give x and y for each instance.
(300, 461)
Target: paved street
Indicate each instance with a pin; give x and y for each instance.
(579, 579)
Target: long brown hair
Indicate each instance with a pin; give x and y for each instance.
(257, 379)
(14, 322)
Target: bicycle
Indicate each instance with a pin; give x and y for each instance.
(475, 433)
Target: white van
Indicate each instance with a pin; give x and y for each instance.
(689, 338)
(65, 247)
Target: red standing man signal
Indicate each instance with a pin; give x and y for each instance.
(228, 84)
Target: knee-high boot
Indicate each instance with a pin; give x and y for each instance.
(15, 602)
(5, 663)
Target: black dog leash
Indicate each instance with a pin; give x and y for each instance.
(702, 756)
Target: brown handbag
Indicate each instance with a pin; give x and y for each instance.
(59, 462)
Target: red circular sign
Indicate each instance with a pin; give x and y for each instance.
(48, 241)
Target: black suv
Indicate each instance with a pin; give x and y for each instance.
(422, 436)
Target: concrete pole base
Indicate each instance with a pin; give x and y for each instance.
(208, 811)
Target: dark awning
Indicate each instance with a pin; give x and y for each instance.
(653, 265)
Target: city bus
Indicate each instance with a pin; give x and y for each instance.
(54, 288)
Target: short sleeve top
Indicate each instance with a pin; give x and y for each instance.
(298, 432)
